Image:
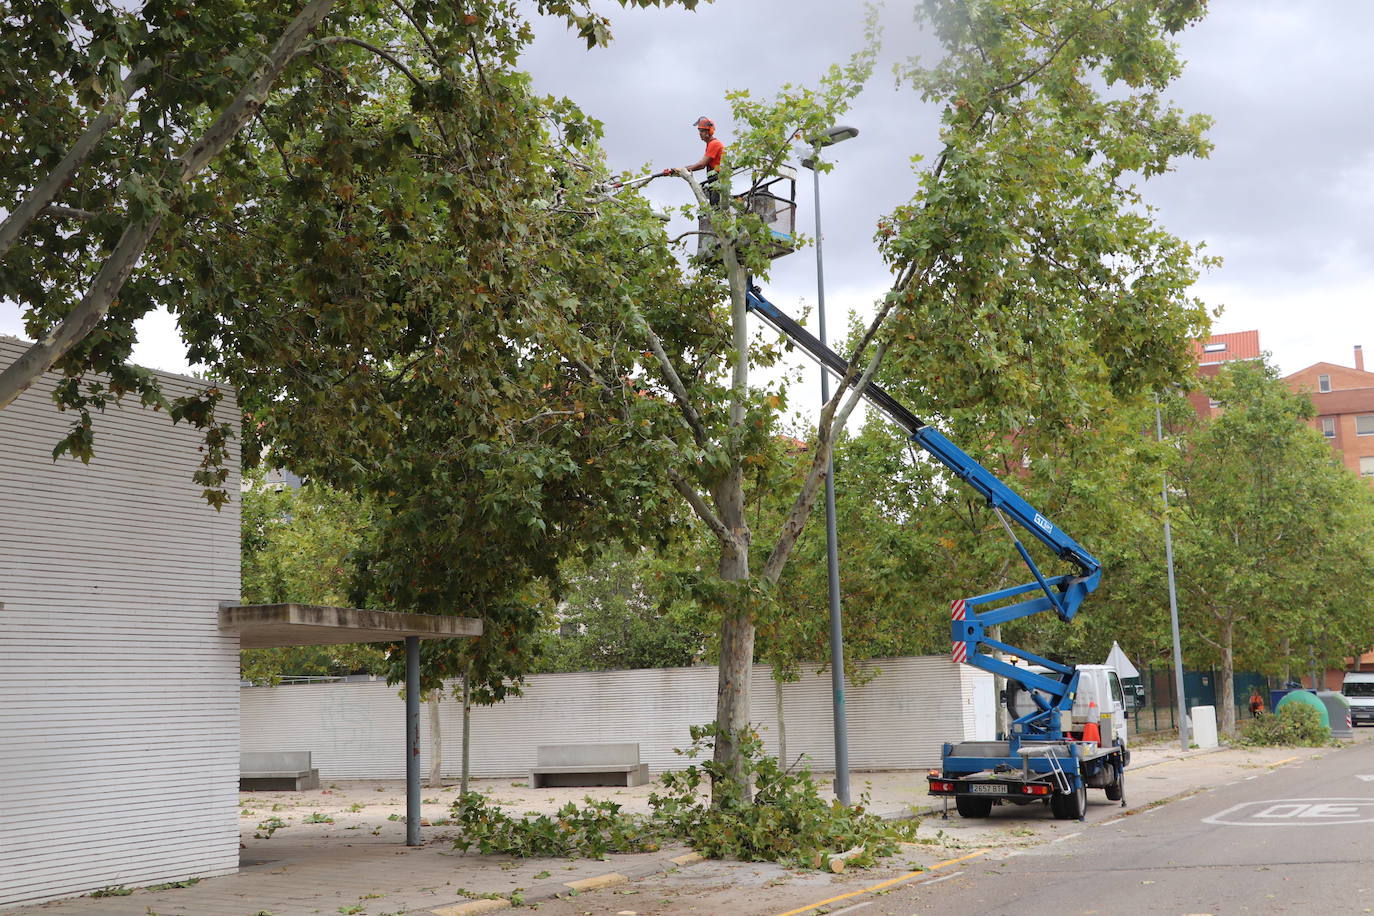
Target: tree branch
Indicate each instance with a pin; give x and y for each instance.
(830, 421)
(89, 312)
(70, 212)
(675, 385)
(42, 195)
(703, 511)
(380, 52)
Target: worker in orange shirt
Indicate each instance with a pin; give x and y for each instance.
(710, 160)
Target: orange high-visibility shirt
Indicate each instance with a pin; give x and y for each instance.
(714, 150)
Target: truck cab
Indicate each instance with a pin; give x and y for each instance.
(1099, 698)
(1358, 688)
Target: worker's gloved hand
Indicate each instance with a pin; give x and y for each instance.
(667, 172)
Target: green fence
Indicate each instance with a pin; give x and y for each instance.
(1160, 712)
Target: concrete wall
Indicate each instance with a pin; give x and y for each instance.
(118, 694)
(357, 729)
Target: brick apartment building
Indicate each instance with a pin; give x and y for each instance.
(1212, 354)
(1344, 401)
(1343, 397)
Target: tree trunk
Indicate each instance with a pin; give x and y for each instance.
(1226, 690)
(782, 722)
(436, 742)
(734, 680)
(1002, 715)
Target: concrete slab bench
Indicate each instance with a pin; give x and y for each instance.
(277, 771)
(588, 765)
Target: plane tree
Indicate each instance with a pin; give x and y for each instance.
(1033, 291)
(1270, 535)
(122, 127)
(366, 222)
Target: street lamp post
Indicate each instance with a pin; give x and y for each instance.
(1183, 736)
(830, 137)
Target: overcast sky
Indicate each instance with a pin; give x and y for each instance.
(1285, 198)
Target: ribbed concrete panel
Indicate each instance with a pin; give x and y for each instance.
(897, 720)
(118, 691)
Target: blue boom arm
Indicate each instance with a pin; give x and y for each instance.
(968, 630)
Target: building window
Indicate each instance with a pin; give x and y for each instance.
(1367, 467)
(1329, 427)
(1323, 383)
(1364, 424)
(1214, 348)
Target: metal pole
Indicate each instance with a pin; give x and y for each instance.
(1173, 598)
(832, 550)
(412, 741)
(467, 727)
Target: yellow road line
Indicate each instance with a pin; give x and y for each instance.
(882, 884)
(1279, 763)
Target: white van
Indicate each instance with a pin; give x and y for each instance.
(1358, 688)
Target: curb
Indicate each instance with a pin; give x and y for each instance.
(557, 889)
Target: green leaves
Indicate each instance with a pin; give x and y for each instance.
(778, 816)
(1268, 531)
(593, 831)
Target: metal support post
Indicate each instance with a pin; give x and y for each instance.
(412, 741)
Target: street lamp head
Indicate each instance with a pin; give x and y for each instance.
(829, 137)
(837, 134)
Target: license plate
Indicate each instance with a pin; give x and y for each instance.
(988, 788)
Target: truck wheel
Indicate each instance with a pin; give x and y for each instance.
(973, 807)
(1072, 806)
(1117, 790)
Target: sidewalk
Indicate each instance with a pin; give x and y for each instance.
(341, 849)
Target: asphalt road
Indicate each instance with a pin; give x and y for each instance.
(1299, 839)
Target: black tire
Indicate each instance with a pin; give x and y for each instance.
(1072, 806)
(1117, 790)
(970, 806)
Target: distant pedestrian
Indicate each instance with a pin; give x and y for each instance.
(1256, 703)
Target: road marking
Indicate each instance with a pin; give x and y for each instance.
(889, 883)
(1067, 836)
(1297, 812)
(1369, 778)
(1279, 763)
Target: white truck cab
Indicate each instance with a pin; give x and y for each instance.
(1358, 688)
(1099, 690)
(1099, 695)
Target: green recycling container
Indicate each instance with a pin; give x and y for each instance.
(1306, 698)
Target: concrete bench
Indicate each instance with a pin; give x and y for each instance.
(588, 765)
(280, 771)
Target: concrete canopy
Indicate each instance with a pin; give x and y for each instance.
(262, 626)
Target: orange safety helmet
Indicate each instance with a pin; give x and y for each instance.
(706, 124)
